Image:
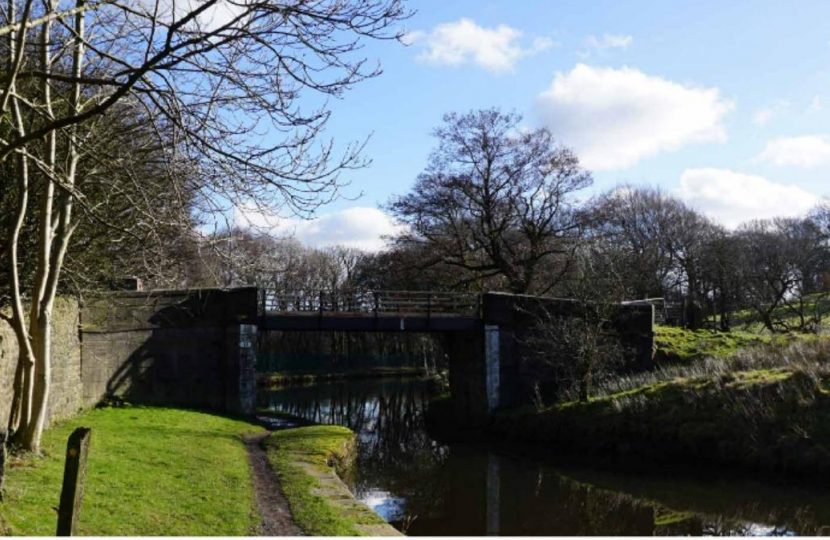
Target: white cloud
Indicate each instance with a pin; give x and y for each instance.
(815, 103)
(733, 198)
(616, 117)
(803, 151)
(361, 227)
(464, 42)
(609, 41)
(219, 14)
(764, 115)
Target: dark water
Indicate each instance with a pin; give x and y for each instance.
(426, 488)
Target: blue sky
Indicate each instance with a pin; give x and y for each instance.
(725, 104)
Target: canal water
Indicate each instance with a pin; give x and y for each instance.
(423, 487)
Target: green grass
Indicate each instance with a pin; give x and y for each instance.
(151, 471)
(304, 460)
(767, 409)
(678, 345)
(786, 313)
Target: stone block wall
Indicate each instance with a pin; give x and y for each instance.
(65, 395)
(178, 348)
(184, 348)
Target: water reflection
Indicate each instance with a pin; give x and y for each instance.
(426, 488)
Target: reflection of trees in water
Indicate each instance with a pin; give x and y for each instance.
(720, 507)
(399, 455)
(451, 493)
(311, 352)
(395, 452)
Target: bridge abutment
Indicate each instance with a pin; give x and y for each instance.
(468, 378)
(193, 348)
(491, 368)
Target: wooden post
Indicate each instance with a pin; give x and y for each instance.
(2, 459)
(74, 475)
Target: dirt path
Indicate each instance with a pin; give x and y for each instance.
(275, 514)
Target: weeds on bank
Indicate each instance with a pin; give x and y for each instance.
(809, 357)
(764, 409)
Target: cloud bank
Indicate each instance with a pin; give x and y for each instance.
(360, 227)
(732, 198)
(614, 118)
(804, 151)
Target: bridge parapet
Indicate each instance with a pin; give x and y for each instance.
(371, 302)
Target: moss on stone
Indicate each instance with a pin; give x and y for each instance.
(305, 460)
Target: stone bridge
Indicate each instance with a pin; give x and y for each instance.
(198, 348)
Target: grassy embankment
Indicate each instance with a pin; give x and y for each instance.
(680, 346)
(151, 471)
(764, 408)
(305, 460)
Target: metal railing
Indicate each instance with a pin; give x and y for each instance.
(371, 302)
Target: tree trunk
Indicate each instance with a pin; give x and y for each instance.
(30, 438)
(585, 389)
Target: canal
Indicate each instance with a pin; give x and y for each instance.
(423, 487)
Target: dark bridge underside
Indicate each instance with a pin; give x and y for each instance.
(367, 322)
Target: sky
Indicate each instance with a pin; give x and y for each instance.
(723, 104)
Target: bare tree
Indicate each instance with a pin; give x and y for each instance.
(583, 344)
(496, 200)
(720, 274)
(638, 222)
(223, 88)
(782, 262)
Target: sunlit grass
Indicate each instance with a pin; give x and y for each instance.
(680, 346)
(152, 471)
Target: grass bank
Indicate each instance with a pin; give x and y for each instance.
(306, 460)
(151, 471)
(763, 409)
(276, 380)
(680, 346)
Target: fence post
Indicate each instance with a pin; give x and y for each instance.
(74, 476)
(2, 459)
